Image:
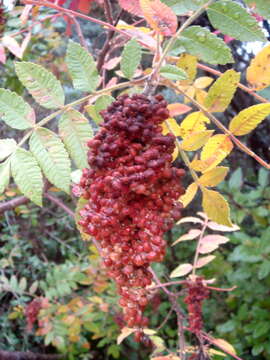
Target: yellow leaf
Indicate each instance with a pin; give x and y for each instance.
(214, 176)
(196, 140)
(258, 73)
(125, 332)
(189, 194)
(215, 352)
(190, 91)
(216, 149)
(216, 207)
(188, 63)
(200, 165)
(224, 345)
(181, 270)
(222, 91)
(203, 82)
(194, 122)
(175, 128)
(175, 153)
(248, 119)
(200, 96)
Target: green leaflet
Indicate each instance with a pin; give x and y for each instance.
(52, 157)
(200, 42)
(182, 6)
(102, 103)
(14, 111)
(173, 72)
(7, 146)
(75, 131)
(232, 19)
(81, 67)
(262, 7)
(4, 175)
(42, 85)
(131, 58)
(27, 175)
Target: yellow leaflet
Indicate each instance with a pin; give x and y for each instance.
(188, 63)
(189, 194)
(200, 96)
(258, 73)
(248, 119)
(214, 176)
(216, 149)
(224, 345)
(190, 91)
(173, 126)
(175, 153)
(216, 207)
(196, 140)
(222, 91)
(200, 165)
(194, 122)
(203, 82)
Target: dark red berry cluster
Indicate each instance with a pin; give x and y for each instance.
(31, 312)
(3, 18)
(132, 191)
(197, 293)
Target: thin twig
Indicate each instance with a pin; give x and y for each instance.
(79, 32)
(179, 315)
(106, 46)
(76, 14)
(59, 203)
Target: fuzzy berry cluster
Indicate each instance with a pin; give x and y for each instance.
(32, 311)
(132, 192)
(3, 18)
(197, 293)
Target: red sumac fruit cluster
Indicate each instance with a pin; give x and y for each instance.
(132, 191)
(197, 293)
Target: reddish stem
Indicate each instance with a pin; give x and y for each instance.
(75, 13)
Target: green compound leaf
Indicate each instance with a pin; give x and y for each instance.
(14, 111)
(27, 175)
(232, 19)
(173, 72)
(183, 6)
(82, 67)
(201, 43)
(75, 131)
(7, 146)
(131, 58)
(42, 85)
(222, 91)
(4, 175)
(261, 7)
(52, 157)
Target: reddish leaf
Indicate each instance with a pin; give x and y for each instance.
(159, 16)
(178, 109)
(132, 6)
(2, 54)
(84, 6)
